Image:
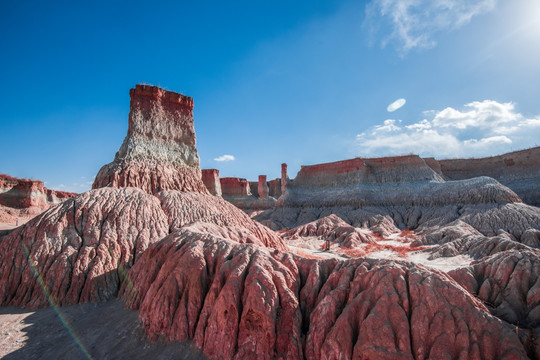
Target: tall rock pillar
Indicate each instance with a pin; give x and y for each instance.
(159, 151)
(284, 178)
(263, 187)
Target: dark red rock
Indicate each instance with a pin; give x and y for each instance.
(210, 178)
(509, 284)
(231, 186)
(262, 187)
(159, 151)
(244, 301)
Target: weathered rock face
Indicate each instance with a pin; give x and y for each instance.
(192, 285)
(509, 284)
(519, 170)
(366, 171)
(231, 186)
(79, 249)
(262, 187)
(472, 191)
(239, 192)
(25, 193)
(159, 151)
(210, 178)
(22, 199)
(185, 208)
(390, 181)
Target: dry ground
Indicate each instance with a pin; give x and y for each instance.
(105, 330)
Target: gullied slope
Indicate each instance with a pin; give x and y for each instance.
(509, 284)
(79, 249)
(184, 208)
(244, 301)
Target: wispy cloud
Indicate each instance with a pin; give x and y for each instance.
(480, 128)
(224, 158)
(396, 105)
(413, 23)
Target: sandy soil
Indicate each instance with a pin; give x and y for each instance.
(104, 330)
(310, 247)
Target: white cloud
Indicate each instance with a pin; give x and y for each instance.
(414, 22)
(484, 115)
(396, 105)
(224, 158)
(419, 126)
(389, 125)
(481, 128)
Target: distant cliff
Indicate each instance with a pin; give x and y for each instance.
(26, 198)
(519, 170)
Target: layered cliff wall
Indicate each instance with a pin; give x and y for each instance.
(519, 170)
(159, 151)
(366, 171)
(402, 180)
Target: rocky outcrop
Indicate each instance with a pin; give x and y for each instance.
(26, 193)
(159, 151)
(210, 179)
(509, 284)
(231, 186)
(519, 170)
(79, 250)
(239, 192)
(243, 301)
(21, 199)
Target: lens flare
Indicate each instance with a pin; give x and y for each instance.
(51, 301)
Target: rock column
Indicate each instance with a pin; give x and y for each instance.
(263, 187)
(283, 178)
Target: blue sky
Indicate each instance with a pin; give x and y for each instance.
(300, 82)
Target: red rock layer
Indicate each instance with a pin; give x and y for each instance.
(151, 177)
(26, 193)
(231, 186)
(185, 208)
(79, 249)
(210, 178)
(245, 302)
(364, 171)
(159, 151)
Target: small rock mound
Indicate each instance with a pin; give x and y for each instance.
(159, 151)
(80, 249)
(243, 301)
(332, 228)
